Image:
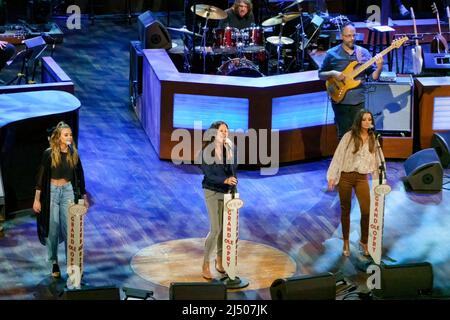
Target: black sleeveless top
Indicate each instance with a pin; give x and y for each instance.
(63, 170)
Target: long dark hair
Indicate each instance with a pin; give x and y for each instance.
(247, 2)
(356, 131)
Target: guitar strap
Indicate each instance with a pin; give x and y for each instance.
(359, 56)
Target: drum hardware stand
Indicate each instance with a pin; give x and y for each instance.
(187, 51)
(186, 56)
(303, 43)
(279, 62)
(203, 46)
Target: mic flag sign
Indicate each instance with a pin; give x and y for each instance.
(230, 232)
(75, 239)
(376, 219)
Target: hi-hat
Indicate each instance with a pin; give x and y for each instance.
(280, 18)
(184, 30)
(276, 40)
(210, 12)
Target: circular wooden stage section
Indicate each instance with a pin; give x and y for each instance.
(181, 261)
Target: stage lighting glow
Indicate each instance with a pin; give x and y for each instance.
(441, 113)
(188, 108)
(301, 111)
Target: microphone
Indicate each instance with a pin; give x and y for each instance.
(228, 142)
(374, 131)
(69, 145)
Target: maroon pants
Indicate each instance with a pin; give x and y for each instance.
(359, 182)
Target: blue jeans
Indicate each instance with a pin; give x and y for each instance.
(60, 198)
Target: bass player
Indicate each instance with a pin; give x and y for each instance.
(336, 60)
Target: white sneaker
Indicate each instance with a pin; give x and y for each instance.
(403, 11)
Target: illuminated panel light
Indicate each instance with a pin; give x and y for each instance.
(188, 108)
(441, 113)
(301, 111)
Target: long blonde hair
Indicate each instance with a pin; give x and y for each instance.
(72, 158)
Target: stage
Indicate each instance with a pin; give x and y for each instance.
(148, 218)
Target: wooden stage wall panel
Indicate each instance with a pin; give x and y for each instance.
(307, 133)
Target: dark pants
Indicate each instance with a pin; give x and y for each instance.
(344, 114)
(5, 54)
(347, 182)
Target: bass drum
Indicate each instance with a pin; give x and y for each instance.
(239, 67)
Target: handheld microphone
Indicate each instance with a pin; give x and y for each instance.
(69, 145)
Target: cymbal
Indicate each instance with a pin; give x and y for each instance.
(284, 40)
(210, 12)
(184, 30)
(280, 18)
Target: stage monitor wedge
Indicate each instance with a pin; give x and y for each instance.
(316, 287)
(152, 33)
(405, 281)
(93, 293)
(197, 291)
(441, 143)
(424, 171)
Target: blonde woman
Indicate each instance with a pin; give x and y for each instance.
(60, 181)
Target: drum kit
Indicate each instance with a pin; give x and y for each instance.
(242, 51)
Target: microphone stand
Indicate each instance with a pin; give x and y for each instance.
(233, 282)
(376, 219)
(382, 167)
(279, 48)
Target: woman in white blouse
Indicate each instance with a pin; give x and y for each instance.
(354, 159)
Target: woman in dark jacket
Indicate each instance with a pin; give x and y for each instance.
(60, 181)
(219, 163)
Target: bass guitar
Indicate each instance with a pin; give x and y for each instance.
(337, 89)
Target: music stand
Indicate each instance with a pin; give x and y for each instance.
(307, 35)
(34, 48)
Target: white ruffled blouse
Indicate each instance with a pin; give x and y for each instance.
(344, 160)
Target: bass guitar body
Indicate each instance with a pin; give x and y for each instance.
(337, 88)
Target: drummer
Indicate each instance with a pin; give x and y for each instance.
(240, 15)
